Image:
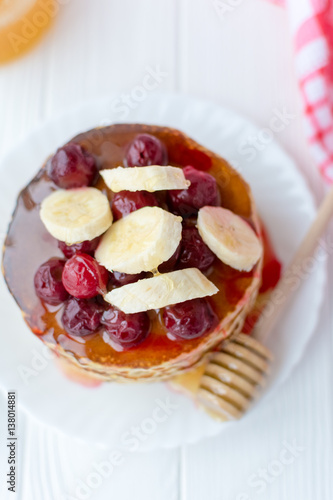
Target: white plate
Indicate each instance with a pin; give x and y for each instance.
(105, 414)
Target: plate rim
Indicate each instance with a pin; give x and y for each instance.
(80, 107)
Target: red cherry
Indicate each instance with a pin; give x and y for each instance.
(88, 247)
(48, 284)
(127, 330)
(72, 167)
(120, 279)
(81, 317)
(125, 202)
(146, 150)
(83, 277)
(169, 265)
(203, 191)
(183, 155)
(194, 252)
(271, 272)
(190, 319)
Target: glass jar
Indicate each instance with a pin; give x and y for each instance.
(22, 24)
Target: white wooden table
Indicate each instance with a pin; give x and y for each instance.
(244, 60)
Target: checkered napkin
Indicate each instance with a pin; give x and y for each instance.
(312, 29)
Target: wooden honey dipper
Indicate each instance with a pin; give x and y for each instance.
(228, 383)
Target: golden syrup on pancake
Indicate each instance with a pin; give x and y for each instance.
(28, 245)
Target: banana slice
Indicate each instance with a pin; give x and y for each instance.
(161, 291)
(152, 178)
(76, 215)
(141, 241)
(229, 237)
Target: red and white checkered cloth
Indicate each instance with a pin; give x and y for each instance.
(312, 29)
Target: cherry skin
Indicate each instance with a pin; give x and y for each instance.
(169, 265)
(125, 202)
(81, 317)
(202, 192)
(120, 279)
(83, 277)
(194, 252)
(87, 247)
(189, 320)
(272, 268)
(72, 167)
(126, 330)
(146, 150)
(271, 274)
(48, 284)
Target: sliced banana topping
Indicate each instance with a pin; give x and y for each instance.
(161, 291)
(152, 178)
(76, 215)
(231, 239)
(141, 241)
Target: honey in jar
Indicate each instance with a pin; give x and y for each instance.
(22, 24)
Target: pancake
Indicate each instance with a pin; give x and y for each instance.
(28, 245)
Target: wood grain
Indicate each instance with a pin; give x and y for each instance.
(244, 61)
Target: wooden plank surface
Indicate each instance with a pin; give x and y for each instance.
(243, 60)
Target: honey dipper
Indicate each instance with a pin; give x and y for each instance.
(232, 378)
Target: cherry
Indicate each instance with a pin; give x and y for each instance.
(194, 252)
(271, 271)
(48, 284)
(81, 317)
(183, 155)
(120, 279)
(125, 202)
(72, 167)
(271, 274)
(127, 330)
(169, 265)
(203, 191)
(87, 247)
(190, 319)
(251, 319)
(146, 150)
(83, 277)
